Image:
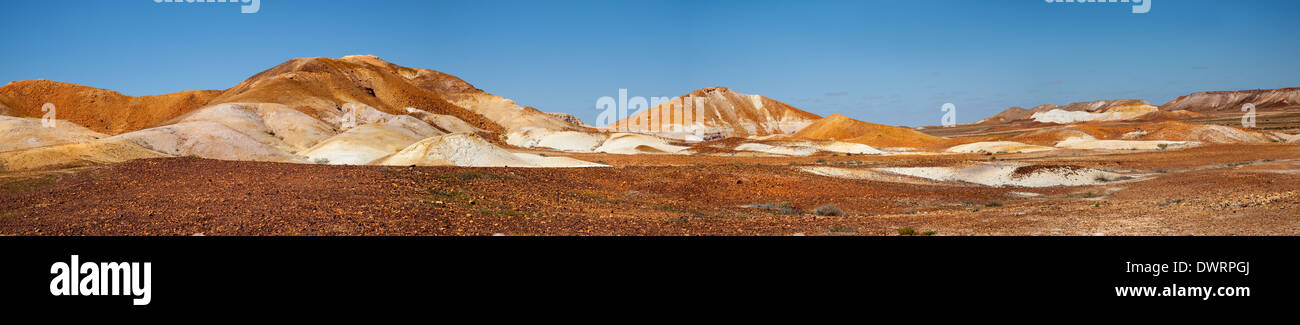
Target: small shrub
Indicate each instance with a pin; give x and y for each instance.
(321, 161)
(11, 214)
(438, 192)
(669, 208)
(828, 210)
(783, 208)
(908, 231)
(841, 229)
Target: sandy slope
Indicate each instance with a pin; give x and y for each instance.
(21, 133)
(841, 128)
(444, 123)
(471, 150)
(362, 145)
(563, 140)
(87, 153)
(206, 139)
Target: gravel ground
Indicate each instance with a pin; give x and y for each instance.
(1214, 190)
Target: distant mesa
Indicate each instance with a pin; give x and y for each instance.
(1232, 101)
(1188, 107)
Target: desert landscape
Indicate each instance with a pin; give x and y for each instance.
(361, 146)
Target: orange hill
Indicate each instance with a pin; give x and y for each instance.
(724, 112)
(841, 128)
(100, 110)
(320, 86)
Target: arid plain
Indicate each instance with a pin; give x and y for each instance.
(360, 146)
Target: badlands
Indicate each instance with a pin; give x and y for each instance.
(360, 146)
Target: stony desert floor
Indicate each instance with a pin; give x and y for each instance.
(1212, 190)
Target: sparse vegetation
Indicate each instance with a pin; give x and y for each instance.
(783, 208)
(321, 161)
(908, 231)
(10, 214)
(27, 184)
(841, 229)
(828, 210)
(591, 195)
(994, 203)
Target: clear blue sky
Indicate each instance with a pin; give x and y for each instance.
(889, 61)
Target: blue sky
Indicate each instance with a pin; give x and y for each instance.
(893, 62)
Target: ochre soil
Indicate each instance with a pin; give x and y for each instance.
(1213, 190)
